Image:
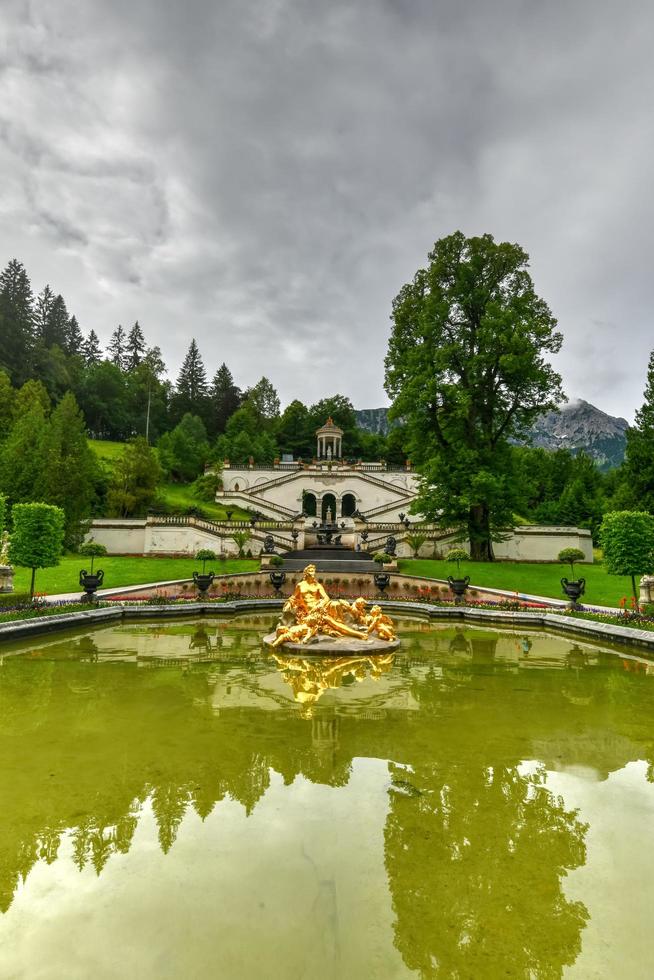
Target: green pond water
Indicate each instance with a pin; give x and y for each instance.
(177, 803)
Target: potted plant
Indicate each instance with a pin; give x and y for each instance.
(458, 585)
(91, 581)
(574, 588)
(204, 580)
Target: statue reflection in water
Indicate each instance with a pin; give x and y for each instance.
(310, 677)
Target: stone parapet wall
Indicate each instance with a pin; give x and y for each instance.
(152, 536)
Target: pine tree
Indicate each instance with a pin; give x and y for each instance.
(116, 348)
(135, 348)
(639, 454)
(56, 328)
(16, 322)
(224, 398)
(91, 350)
(74, 338)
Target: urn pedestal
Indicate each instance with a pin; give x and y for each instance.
(646, 589)
(6, 578)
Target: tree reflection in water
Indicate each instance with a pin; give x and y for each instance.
(475, 861)
(476, 847)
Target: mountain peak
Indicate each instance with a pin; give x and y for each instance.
(577, 426)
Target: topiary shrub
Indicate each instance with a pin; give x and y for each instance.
(92, 549)
(204, 555)
(570, 556)
(627, 537)
(37, 538)
(457, 555)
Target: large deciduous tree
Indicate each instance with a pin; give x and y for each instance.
(136, 476)
(466, 370)
(639, 455)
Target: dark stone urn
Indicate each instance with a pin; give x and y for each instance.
(459, 587)
(277, 579)
(203, 582)
(574, 591)
(382, 580)
(90, 582)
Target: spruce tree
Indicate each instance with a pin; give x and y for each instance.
(56, 328)
(91, 350)
(16, 322)
(639, 454)
(191, 389)
(43, 309)
(224, 399)
(22, 476)
(71, 470)
(135, 347)
(74, 338)
(116, 349)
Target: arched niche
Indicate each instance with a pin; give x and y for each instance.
(309, 503)
(348, 504)
(328, 503)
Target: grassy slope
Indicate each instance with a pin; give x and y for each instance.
(545, 580)
(121, 571)
(175, 497)
(106, 450)
(178, 497)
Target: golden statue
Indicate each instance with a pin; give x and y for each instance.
(310, 612)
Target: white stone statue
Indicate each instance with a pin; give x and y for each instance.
(4, 548)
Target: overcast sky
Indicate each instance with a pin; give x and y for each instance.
(265, 175)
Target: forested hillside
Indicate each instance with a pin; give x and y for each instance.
(152, 434)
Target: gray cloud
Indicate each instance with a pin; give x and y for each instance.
(264, 175)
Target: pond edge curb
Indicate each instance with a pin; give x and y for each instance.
(556, 622)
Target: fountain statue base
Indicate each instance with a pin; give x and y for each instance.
(336, 646)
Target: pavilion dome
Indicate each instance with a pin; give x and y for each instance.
(329, 429)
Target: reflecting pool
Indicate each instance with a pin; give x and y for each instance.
(178, 803)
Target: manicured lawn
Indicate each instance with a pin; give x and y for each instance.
(122, 571)
(545, 580)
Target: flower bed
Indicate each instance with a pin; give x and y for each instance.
(20, 611)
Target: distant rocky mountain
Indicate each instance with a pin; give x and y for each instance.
(373, 420)
(578, 426)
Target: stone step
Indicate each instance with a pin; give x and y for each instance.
(329, 565)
